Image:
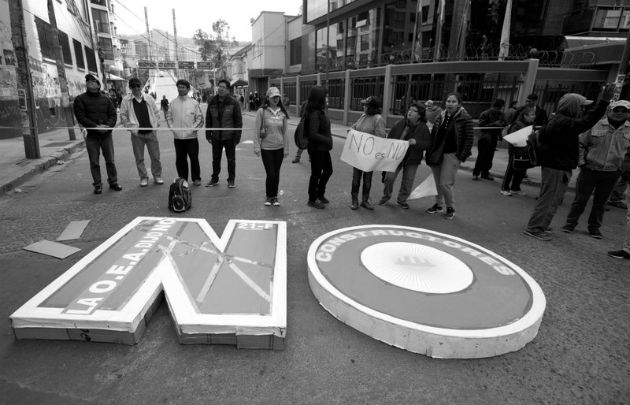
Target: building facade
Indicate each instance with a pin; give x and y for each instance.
(80, 56)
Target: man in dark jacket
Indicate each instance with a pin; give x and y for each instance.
(530, 102)
(223, 112)
(492, 121)
(559, 153)
(96, 112)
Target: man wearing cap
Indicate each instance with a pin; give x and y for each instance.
(96, 112)
(223, 112)
(141, 111)
(602, 150)
(559, 154)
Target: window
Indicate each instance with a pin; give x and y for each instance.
(65, 47)
(91, 59)
(46, 40)
(625, 19)
(105, 45)
(425, 13)
(101, 21)
(78, 53)
(295, 51)
(607, 19)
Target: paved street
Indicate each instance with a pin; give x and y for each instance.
(580, 356)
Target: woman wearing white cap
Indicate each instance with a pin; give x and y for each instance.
(271, 141)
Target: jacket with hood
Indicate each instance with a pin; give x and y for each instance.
(559, 139)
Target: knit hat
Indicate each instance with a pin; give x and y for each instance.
(91, 78)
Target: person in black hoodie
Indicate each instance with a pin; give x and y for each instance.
(96, 112)
(317, 129)
(559, 154)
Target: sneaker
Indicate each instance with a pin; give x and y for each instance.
(450, 213)
(538, 235)
(403, 205)
(518, 192)
(595, 233)
(488, 177)
(268, 202)
(144, 182)
(323, 200)
(212, 183)
(383, 201)
(618, 204)
(367, 205)
(568, 228)
(197, 182)
(158, 180)
(316, 204)
(434, 209)
(231, 184)
(619, 254)
(354, 205)
(98, 190)
(115, 187)
(506, 193)
(475, 178)
(275, 202)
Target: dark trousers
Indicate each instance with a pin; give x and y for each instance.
(512, 178)
(553, 186)
(230, 154)
(94, 143)
(272, 160)
(406, 183)
(485, 153)
(187, 149)
(598, 183)
(618, 191)
(321, 170)
(356, 183)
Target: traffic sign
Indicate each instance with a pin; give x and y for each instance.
(167, 65)
(147, 64)
(204, 65)
(186, 64)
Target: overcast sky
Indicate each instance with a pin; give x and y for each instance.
(193, 14)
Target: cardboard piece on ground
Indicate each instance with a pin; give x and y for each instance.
(425, 189)
(73, 230)
(46, 247)
(519, 138)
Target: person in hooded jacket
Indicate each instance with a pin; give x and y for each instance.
(451, 145)
(320, 143)
(559, 154)
(413, 129)
(96, 112)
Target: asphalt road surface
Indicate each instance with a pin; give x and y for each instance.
(580, 356)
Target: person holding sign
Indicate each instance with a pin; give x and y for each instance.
(515, 173)
(370, 122)
(317, 129)
(450, 146)
(271, 141)
(413, 129)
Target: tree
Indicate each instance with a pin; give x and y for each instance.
(214, 48)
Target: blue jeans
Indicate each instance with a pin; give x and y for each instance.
(94, 143)
(356, 183)
(554, 185)
(138, 143)
(406, 183)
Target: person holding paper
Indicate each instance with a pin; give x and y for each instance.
(370, 122)
(514, 175)
(413, 129)
(450, 146)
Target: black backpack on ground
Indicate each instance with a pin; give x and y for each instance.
(179, 196)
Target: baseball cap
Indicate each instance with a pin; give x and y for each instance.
(533, 97)
(273, 92)
(91, 78)
(620, 103)
(134, 81)
(372, 101)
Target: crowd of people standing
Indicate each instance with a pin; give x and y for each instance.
(594, 136)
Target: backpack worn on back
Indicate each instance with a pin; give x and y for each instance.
(301, 141)
(179, 196)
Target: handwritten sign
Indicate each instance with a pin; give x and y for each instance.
(368, 152)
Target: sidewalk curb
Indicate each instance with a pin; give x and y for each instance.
(47, 162)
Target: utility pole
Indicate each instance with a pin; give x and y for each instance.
(146, 21)
(61, 72)
(24, 81)
(176, 48)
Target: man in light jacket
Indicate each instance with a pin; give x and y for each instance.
(185, 117)
(138, 110)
